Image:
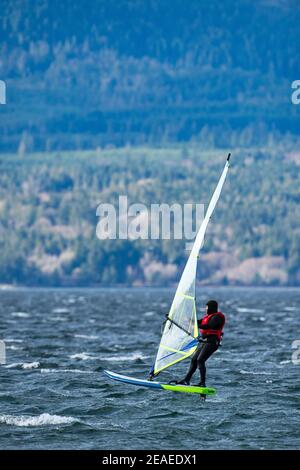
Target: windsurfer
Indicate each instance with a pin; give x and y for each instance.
(211, 327)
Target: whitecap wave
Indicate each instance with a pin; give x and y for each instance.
(60, 310)
(71, 371)
(149, 314)
(252, 372)
(44, 419)
(86, 336)
(31, 365)
(249, 310)
(20, 314)
(23, 365)
(58, 319)
(82, 356)
(125, 357)
(11, 340)
(12, 365)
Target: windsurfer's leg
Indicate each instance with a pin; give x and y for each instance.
(193, 365)
(207, 350)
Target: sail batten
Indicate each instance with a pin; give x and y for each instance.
(181, 324)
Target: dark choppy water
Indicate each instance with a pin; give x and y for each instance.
(53, 394)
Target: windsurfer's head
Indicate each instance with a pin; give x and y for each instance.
(211, 306)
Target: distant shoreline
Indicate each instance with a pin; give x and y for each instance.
(144, 287)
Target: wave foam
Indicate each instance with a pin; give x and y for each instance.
(82, 356)
(251, 372)
(60, 310)
(20, 314)
(86, 336)
(23, 365)
(11, 340)
(128, 357)
(73, 371)
(249, 310)
(149, 314)
(44, 419)
(31, 365)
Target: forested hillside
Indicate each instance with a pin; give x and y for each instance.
(48, 217)
(91, 74)
(144, 98)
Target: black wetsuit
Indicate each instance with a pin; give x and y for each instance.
(205, 350)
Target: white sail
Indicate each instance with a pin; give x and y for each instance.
(179, 338)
